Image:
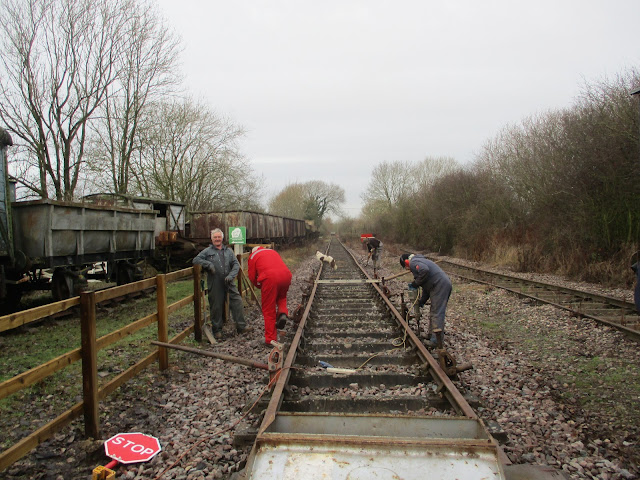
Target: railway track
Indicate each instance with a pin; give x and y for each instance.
(360, 397)
(610, 311)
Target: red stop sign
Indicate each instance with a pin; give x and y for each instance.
(132, 447)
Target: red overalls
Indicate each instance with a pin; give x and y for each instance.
(268, 272)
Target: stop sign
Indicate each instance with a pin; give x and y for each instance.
(132, 447)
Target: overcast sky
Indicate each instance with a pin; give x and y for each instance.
(329, 89)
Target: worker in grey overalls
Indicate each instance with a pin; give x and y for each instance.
(436, 286)
(222, 267)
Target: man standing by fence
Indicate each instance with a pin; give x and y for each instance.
(222, 267)
(269, 273)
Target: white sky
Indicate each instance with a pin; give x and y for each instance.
(329, 89)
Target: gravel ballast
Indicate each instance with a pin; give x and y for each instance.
(535, 382)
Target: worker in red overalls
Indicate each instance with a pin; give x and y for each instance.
(269, 273)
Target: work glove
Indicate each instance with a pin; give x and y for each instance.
(412, 285)
(228, 281)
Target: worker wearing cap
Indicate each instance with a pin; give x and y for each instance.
(375, 249)
(269, 273)
(435, 285)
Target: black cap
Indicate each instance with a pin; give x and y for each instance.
(403, 258)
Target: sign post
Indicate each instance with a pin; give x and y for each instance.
(237, 238)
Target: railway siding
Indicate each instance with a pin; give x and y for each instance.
(615, 312)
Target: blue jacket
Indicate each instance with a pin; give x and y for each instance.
(428, 275)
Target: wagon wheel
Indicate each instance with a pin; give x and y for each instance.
(11, 301)
(62, 284)
(127, 272)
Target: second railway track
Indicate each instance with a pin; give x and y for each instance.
(615, 312)
(360, 397)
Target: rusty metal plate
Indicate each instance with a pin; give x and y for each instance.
(359, 447)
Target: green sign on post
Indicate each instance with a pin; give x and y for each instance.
(237, 235)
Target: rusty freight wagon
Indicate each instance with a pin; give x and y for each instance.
(261, 227)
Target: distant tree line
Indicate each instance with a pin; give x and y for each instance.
(313, 200)
(90, 91)
(556, 192)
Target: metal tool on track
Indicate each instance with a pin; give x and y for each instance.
(446, 360)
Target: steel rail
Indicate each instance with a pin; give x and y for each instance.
(283, 379)
(444, 382)
(282, 432)
(580, 303)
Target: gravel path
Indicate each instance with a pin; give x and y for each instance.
(526, 379)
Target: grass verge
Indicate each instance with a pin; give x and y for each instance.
(28, 347)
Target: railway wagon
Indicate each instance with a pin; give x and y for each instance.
(170, 215)
(48, 244)
(70, 237)
(261, 227)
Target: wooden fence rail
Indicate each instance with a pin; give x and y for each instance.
(90, 345)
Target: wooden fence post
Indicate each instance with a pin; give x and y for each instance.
(239, 276)
(89, 363)
(197, 303)
(163, 320)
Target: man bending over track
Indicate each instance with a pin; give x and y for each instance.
(269, 273)
(435, 285)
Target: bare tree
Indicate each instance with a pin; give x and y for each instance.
(393, 181)
(429, 170)
(289, 202)
(191, 155)
(57, 65)
(390, 181)
(146, 70)
(322, 198)
(311, 200)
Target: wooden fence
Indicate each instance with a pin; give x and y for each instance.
(90, 345)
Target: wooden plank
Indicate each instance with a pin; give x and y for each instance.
(24, 446)
(197, 303)
(132, 371)
(209, 334)
(249, 286)
(163, 320)
(182, 335)
(180, 304)
(127, 375)
(89, 363)
(113, 337)
(178, 274)
(36, 374)
(122, 290)
(14, 320)
(28, 378)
